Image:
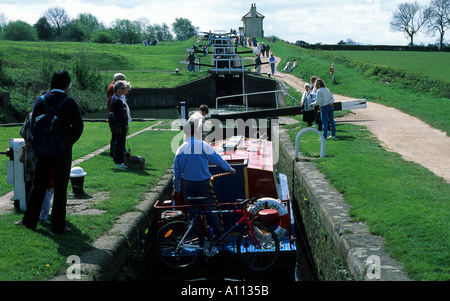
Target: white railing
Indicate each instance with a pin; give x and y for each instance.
(275, 92)
(230, 67)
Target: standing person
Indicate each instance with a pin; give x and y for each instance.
(267, 49)
(325, 100)
(118, 123)
(308, 112)
(199, 121)
(312, 86)
(192, 164)
(262, 49)
(124, 100)
(272, 64)
(191, 62)
(71, 124)
(110, 90)
(258, 64)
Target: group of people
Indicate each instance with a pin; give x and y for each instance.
(317, 102)
(289, 67)
(119, 117)
(263, 49)
(147, 42)
(191, 161)
(49, 175)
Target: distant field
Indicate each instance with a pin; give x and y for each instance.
(145, 67)
(433, 64)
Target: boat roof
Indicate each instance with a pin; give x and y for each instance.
(254, 153)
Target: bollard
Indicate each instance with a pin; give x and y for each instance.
(15, 173)
(77, 175)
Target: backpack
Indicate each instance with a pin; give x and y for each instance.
(47, 140)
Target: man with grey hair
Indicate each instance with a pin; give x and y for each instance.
(110, 91)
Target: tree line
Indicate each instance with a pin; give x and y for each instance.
(55, 25)
(411, 18)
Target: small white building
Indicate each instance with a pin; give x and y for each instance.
(253, 23)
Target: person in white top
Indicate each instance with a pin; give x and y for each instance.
(199, 120)
(124, 100)
(325, 100)
(307, 99)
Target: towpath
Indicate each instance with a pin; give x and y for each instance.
(398, 132)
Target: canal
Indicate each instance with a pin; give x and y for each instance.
(291, 266)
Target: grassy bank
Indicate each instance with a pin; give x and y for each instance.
(401, 201)
(144, 66)
(39, 254)
(356, 82)
(26, 69)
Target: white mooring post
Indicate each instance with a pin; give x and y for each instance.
(322, 141)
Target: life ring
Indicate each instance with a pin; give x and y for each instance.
(264, 203)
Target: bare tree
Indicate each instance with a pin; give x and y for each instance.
(439, 19)
(57, 17)
(409, 18)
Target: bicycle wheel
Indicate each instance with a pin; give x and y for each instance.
(174, 252)
(258, 251)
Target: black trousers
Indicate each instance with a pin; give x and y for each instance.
(118, 142)
(62, 166)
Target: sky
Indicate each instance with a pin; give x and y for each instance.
(320, 21)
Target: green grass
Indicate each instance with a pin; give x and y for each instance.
(129, 59)
(351, 82)
(39, 254)
(401, 201)
(433, 64)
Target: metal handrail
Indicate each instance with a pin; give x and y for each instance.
(254, 93)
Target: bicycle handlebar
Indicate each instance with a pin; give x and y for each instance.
(243, 202)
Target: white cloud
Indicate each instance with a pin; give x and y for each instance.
(325, 21)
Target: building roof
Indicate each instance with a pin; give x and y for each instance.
(249, 15)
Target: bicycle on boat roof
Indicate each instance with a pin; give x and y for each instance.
(179, 243)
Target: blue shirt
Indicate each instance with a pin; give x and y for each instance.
(192, 162)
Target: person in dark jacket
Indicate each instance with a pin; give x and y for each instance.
(118, 124)
(70, 124)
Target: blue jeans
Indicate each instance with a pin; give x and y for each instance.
(327, 116)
